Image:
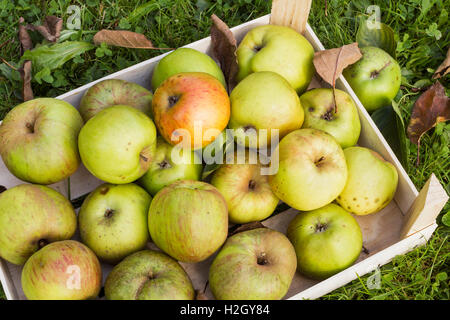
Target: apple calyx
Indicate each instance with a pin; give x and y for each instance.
(262, 259)
(109, 213)
(328, 115)
(164, 164)
(257, 48)
(321, 227)
(42, 243)
(173, 100)
(251, 185)
(30, 126)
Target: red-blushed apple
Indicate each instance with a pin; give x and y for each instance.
(167, 168)
(246, 190)
(340, 120)
(278, 49)
(148, 275)
(117, 144)
(326, 240)
(31, 216)
(264, 101)
(312, 170)
(191, 108)
(185, 60)
(375, 78)
(371, 184)
(38, 140)
(113, 92)
(258, 264)
(188, 220)
(63, 270)
(113, 221)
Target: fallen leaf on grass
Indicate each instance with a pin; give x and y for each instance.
(25, 71)
(126, 39)
(432, 107)
(224, 47)
(50, 29)
(444, 68)
(330, 63)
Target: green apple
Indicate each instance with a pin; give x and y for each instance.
(148, 275)
(258, 264)
(113, 221)
(38, 140)
(278, 49)
(247, 191)
(375, 78)
(63, 270)
(118, 144)
(311, 169)
(340, 120)
(326, 240)
(113, 92)
(371, 182)
(185, 60)
(188, 220)
(31, 216)
(170, 164)
(264, 101)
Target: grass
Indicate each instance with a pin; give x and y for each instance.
(422, 35)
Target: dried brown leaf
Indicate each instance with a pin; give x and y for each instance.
(25, 70)
(224, 46)
(444, 68)
(122, 38)
(50, 29)
(25, 73)
(245, 227)
(432, 107)
(330, 63)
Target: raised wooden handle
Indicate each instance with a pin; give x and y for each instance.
(291, 13)
(423, 212)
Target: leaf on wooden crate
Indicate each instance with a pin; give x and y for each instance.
(432, 107)
(54, 56)
(376, 34)
(245, 227)
(50, 29)
(122, 38)
(444, 68)
(330, 63)
(25, 71)
(224, 46)
(390, 123)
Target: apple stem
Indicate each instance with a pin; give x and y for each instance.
(262, 260)
(251, 185)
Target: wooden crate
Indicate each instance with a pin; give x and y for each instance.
(408, 221)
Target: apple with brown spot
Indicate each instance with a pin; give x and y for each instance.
(64, 270)
(187, 100)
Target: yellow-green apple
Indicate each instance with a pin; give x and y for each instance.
(278, 49)
(31, 216)
(191, 108)
(326, 240)
(375, 78)
(371, 182)
(113, 92)
(188, 220)
(113, 221)
(258, 264)
(247, 191)
(340, 120)
(63, 270)
(118, 144)
(148, 275)
(264, 101)
(185, 60)
(311, 169)
(38, 140)
(170, 164)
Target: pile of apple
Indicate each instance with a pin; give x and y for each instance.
(125, 136)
